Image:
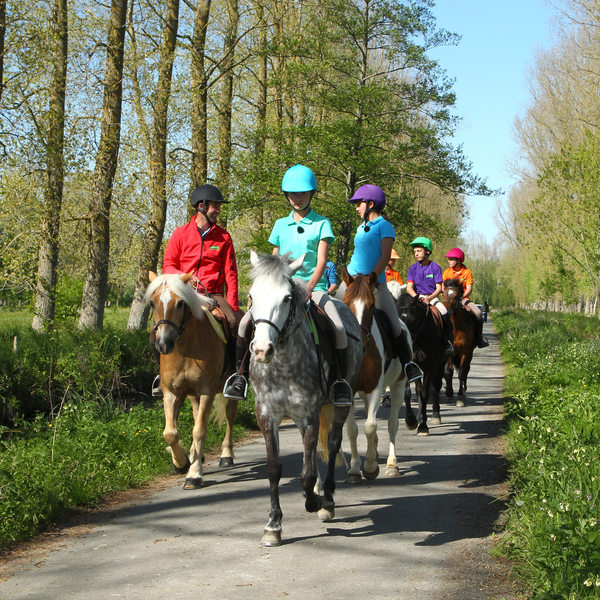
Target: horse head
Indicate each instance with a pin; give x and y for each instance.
(274, 297)
(172, 302)
(452, 296)
(360, 299)
(412, 312)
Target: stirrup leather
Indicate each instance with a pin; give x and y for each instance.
(333, 401)
(227, 386)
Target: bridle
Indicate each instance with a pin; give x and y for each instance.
(178, 328)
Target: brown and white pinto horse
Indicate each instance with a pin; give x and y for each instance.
(192, 364)
(465, 340)
(373, 377)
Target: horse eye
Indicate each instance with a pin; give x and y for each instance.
(152, 305)
(179, 303)
(288, 298)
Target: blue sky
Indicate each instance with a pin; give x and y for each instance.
(499, 40)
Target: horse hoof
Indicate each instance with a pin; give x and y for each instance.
(192, 483)
(226, 461)
(182, 470)
(435, 421)
(313, 505)
(460, 403)
(327, 513)
(353, 478)
(270, 539)
(392, 472)
(372, 475)
(411, 424)
(423, 430)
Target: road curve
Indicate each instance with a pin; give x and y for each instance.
(424, 534)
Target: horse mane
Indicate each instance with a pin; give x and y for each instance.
(277, 267)
(359, 290)
(456, 284)
(186, 292)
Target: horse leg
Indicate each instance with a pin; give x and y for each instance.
(448, 374)
(227, 446)
(334, 443)
(465, 367)
(370, 468)
(172, 405)
(423, 429)
(436, 387)
(396, 395)
(410, 420)
(308, 476)
(272, 534)
(419, 387)
(353, 475)
(201, 407)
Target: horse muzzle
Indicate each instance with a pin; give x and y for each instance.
(164, 346)
(262, 355)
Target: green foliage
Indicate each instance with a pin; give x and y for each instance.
(553, 415)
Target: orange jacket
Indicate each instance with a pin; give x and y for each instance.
(393, 275)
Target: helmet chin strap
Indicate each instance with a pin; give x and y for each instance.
(203, 211)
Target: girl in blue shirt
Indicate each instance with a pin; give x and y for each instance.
(303, 231)
(372, 248)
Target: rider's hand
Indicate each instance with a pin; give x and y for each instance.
(309, 291)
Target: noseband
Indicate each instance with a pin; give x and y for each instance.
(178, 328)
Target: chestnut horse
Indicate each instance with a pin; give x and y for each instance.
(373, 377)
(465, 340)
(192, 364)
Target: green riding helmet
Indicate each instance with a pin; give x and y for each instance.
(423, 242)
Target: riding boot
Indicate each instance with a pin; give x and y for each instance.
(236, 386)
(411, 369)
(449, 331)
(341, 392)
(156, 389)
(481, 341)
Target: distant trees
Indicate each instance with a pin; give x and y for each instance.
(155, 98)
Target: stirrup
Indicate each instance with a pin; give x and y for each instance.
(419, 373)
(483, 343)
(449, 351)
(226, 391)
(156, 389)
(340, 402)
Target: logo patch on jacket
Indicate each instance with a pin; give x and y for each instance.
(430, 276)
(213, 247)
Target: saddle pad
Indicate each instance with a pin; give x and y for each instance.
(387, 333)
(325, 331)
(218, 327)
(437, 317)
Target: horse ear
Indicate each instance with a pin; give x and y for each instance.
(347, 278)
(253, 258)
(297, 264)
(151, 276)
(186, 277)
(373, 279)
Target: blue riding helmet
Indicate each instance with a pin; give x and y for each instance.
(299, 179)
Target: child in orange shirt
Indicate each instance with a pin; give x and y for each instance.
(457, 270)
(390, 273)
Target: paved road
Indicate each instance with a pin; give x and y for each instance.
(424, 533)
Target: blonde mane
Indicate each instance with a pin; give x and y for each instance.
(186, 292)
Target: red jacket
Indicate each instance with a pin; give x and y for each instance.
(212, 259)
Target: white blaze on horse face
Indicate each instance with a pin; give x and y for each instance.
(163, 301)
(360, 307)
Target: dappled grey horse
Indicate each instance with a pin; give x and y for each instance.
(290, 380)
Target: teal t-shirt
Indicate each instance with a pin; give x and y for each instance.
(303, 237)
(367, 247)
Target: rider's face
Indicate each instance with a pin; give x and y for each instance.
(213, 210)
(299, 200)
(452, 262)
(420, 253)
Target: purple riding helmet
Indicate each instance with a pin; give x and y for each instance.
(370, 192)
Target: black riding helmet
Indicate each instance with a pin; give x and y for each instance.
(206, 193)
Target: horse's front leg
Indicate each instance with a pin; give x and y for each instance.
(227, 446)
(353, 475)
(448, 374)
(334, 444)
(410, 420)
(172, 406)
(308, 476)
(434, 394)
(201, 407)
(272, 533)
(397, 394)
(465, 367)
(423, 396)
(370, 468)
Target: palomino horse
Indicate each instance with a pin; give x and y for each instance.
(428, 344)
(290, 379)
(192, 364)
(374, 376)
(465, 340)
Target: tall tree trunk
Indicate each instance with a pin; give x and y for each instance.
(138, 315)
(94, 289)
(53, 194)
(2, 35)
(226, 99)
(261, 117)
(199, 172)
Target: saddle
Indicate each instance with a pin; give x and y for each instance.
(387, 335)
(323, 333)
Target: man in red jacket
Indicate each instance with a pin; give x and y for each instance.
(206, 249)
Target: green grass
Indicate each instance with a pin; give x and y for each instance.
(553, 413)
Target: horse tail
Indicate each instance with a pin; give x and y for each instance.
(219, 412)
(325, 424)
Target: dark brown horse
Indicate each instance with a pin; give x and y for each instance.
(465, 340)
(428, 345)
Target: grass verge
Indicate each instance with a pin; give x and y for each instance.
(553, 420)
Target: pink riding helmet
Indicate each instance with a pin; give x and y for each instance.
(456, 253)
